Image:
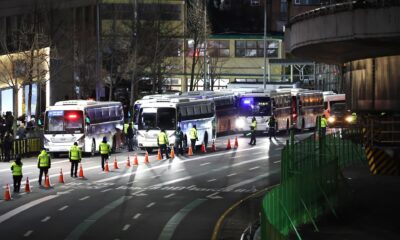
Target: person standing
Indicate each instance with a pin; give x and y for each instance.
(16, 169)
(162, 142)
(7, 146)
(178, 141)
(104, 149)
(75, 157)
(44, 163)
(253, 127)
(271, 127)
(324, 124)
(193, 137)
(129, 137)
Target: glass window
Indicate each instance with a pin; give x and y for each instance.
(218, 48)
(255, 106)
(147, 120)
(190, 111)
(197, 110)
(7, 100)
(166, 118)
(253, 48)
(33, 99)
(64, 121)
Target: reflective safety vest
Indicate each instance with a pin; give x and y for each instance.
(324, 122)
(162, 138)
(75, 153)
(16, 169)
(254, 124)
(44, 159)
(193, 133)
(126, 125)
(104, 148)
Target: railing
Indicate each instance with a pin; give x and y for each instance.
(22, 147)
(311, 182)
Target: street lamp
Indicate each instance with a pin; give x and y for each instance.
(265, 44)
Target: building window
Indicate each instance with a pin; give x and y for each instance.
(33, 99)
(218, 48)
(7, 100)
(255, 48)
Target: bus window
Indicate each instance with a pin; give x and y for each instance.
(147, 119)
(166, 118)
(64, 121)
(255, 106)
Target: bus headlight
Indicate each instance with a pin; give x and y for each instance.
(349, 119)
(331, 119)
(240, 123)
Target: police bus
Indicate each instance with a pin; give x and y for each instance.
(163, 113)
(83, 121)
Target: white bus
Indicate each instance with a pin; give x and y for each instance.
(81, 121)
(168, 114)
(331, 98)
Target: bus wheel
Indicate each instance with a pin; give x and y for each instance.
(205, 141)
(93, 148)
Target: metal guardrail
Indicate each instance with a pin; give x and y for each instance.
(22, 147)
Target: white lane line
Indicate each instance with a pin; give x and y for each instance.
(180, 170)
(106, 190)
(126, 227)
(277, 161)
(28, 233)
(156, 176)
(24, 207)
(137, 215)
(253, 168)
(151, 204)
(279, 148)
(251, 180)
(212, 180)
(169, 195)
(63, 208)
(84, 198)
(46, 219)
(230, 175)
(203, 164)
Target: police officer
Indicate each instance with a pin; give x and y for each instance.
(253, 127)
(193, 137)
(75, 157)
(16, 169)
(271, 127)
(129, 137)
(178, 141)
(104, 149)
(324, 124)
(44, 163)
(162, 142)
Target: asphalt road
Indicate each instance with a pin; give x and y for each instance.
(182, 198)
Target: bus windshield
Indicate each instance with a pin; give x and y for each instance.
(59, 121)
(255, 106)
(157, 118)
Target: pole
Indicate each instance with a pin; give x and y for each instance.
(205, 46)
(265, 44)
(135, 19)
(98, 68)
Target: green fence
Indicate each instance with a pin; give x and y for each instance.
(311, 182)
(22, 147)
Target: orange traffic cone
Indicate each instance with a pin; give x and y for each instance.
(115, 163)
(7, 193)
(128, 162)
(203, 148)
(236, 145)
(61, 177)
(81, 171)
(106, 169)
(27, 186)
(146, 157)
(228, 146)
(190, 151)
(172, 155)
(213, 148)
(159, 155)
(47, 181)
(135, 160)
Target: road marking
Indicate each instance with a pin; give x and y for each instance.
(203, 164)
(28, 233)
(84, 198)
(81, 228)
(180, 170)
(277, 161)
(63, 208)
(126, 227)
(230, 175)
(106, 190)
(46, 219)
(251, 180)
(214, 196)
(24, 207)
(151, 204)
(173, 223)
(137, 215)
(156, 176)
(170, 195)
(253, 168)
(212, 180)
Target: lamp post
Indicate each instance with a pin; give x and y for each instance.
(265, 44)
(205, 47)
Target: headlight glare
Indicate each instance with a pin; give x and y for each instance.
(239, 123)
(331, 119)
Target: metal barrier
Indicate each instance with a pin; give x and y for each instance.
(311, 182)
(22, 147)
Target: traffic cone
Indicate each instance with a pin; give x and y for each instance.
(159, 155)
(213, 148)
(236, 145)
(228, 146)
(106, 169)
(128, 162)
(27, 186)
(47, 181)
(172, 155)
(61, 177)
(81, 171)
(203, 148)
(190, 151)
(115, 163)
(146, 157)
(135, 160)
(7, 194)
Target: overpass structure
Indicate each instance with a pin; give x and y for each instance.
(363, 37)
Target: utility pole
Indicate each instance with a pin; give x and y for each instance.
(265, 44)
(98, 64)
(135, 19)
(205, 47)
